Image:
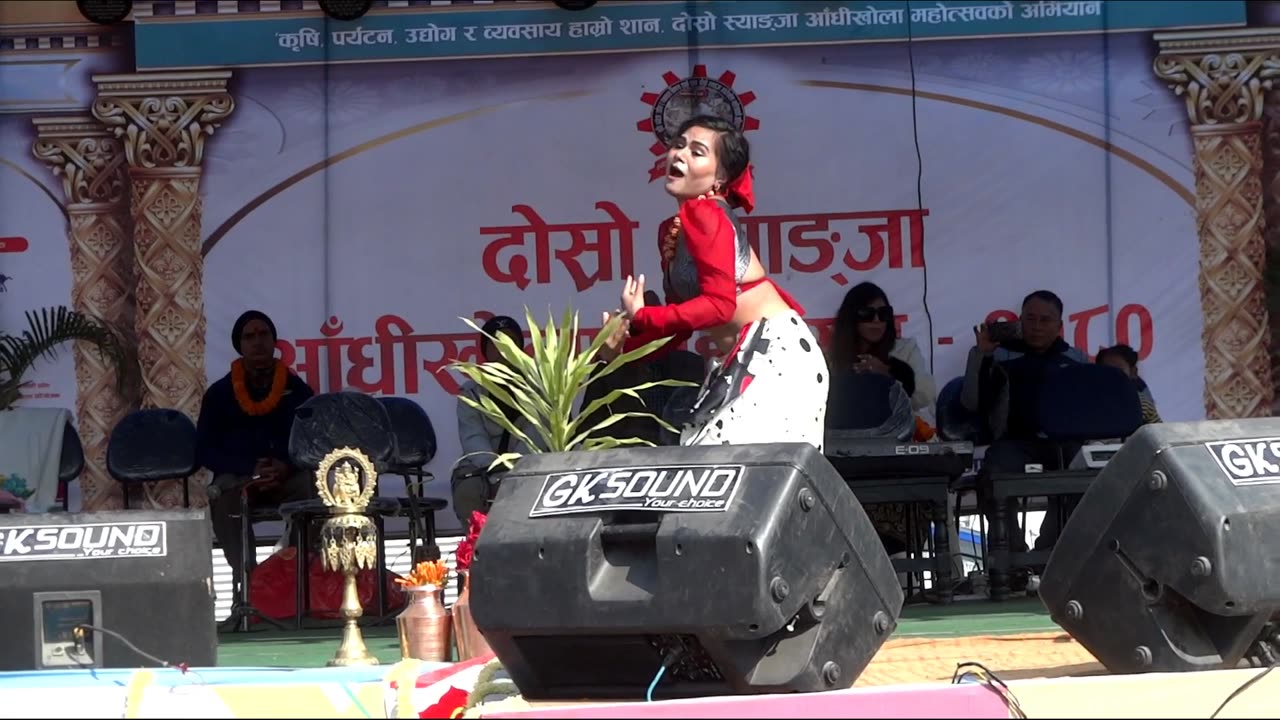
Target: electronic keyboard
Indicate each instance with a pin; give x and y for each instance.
(858, 458)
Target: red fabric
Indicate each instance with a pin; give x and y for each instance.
(741, 191)
(709, 237)
(450, 705)
(273, 587)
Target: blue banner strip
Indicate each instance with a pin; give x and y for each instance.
(203, 41)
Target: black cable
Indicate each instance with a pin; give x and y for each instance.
(915, 136)
(1245, 686)
(993, 683)
(78, 633)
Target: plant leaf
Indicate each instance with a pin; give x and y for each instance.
(491, 411)
(617, 418)
(507, 459)
(629, 357)
(615, 395)
(47, 330)
(540, 388)
(605, 443)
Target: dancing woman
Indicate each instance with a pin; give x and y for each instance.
(770, 384)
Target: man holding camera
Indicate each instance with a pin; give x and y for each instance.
(1007, 366)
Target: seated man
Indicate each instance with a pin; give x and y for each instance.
(1004, 374)
(473, 485)
(243, 433)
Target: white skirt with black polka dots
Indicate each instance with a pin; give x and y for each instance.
(786, 400)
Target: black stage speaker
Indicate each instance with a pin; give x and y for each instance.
(700, 570)
(105, 12)
(1171, 561)
(346, 10)
(145, 575)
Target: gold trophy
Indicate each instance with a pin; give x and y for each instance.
(349, 541)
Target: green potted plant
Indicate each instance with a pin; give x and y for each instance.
(542, 387)
(47, 330)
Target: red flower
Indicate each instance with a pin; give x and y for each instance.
(462, 556)
(477, 524)
(467, 548)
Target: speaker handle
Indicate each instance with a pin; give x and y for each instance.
(629, 533)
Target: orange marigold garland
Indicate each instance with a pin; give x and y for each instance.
(246, 402)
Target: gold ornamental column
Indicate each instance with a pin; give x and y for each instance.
(164, 120)
(91, 164)
(1223, 76)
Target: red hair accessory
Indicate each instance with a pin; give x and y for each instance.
(740, 191)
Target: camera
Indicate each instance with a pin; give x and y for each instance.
(1004, 331)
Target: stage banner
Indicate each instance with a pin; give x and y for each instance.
(369, 207)
(218, 38)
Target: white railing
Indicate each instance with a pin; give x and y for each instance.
(397, 561)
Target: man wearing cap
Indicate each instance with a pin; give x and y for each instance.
(482, 439)
(243, 432)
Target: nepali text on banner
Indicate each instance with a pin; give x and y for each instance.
(266, 38)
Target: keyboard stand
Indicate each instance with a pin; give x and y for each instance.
(933, 492)
(1006, 490)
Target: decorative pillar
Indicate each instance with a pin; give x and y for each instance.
(1223, 76)
(164, 120)
(91, 164)
(1271, 235)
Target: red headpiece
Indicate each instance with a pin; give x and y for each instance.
(740, 192)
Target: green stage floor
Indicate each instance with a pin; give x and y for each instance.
(312, 648)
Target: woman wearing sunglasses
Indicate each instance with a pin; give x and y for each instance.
(865, 339)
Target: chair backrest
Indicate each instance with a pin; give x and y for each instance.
(955, 422)
(152, 444)
(1089, 402)
(869, 402)
(415, 435)
(71, 463)
(341, 419)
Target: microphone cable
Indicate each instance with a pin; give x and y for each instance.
(915, 137)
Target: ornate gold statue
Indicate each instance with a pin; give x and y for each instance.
(346, 480)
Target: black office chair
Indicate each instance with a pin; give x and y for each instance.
(153, 445)
(70, 464)
(869, 405)
(415, 447)
(955, 421)
(320, 425)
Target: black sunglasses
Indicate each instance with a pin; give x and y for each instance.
(867, 314)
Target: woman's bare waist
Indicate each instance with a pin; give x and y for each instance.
(757, 303)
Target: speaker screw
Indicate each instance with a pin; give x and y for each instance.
(880, 622)
(831, 673)
(1201, 567)
(807, 500)
(1075, 610)
(1142, 656)
(780, 589)
(1158, 481)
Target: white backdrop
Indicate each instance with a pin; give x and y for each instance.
(1020, 191)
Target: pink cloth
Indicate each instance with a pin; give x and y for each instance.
(900, 701)
(11, 501)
